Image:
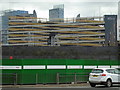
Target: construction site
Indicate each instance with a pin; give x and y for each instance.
(64, 49)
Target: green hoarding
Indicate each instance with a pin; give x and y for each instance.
(35, 71)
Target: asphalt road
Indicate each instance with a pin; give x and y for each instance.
(61, 89)
(116, 87)
(82, 86)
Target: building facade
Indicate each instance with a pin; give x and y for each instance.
(118, 20)
(0, 31)
(7, 18)
(57, 13)
(110, 30)
(23, 29)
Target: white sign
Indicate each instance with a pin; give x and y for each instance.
(106, 66)
(34, 67)
(90, 67)
(56, 67)
(10, 67)
(115, 66)
(74, 67)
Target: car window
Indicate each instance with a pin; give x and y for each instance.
(117, 71)
(110, 70)
(97, 71)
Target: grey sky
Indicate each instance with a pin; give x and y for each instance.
(72, 7)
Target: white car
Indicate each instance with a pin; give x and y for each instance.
(104, 76)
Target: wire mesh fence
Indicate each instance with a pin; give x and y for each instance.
(73, 78)
(42, 78)
(9, 78)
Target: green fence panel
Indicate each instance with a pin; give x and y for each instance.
(36, 76)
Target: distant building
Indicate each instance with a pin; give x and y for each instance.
(110, 30)
(57, 13)
(9, 17)
(0, 31)
(78, 18)
(118, 26)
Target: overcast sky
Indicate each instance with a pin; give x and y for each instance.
(71, 7)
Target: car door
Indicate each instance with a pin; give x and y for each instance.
(117, 73)
(113, 75)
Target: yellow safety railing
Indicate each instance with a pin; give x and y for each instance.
(25, 29)
(91, 38)
(17, 35)
(79, 32)
(82, 44)
(21, 41)
(89, 21)
(17, 41)
(23, 35)
(17, 17)
(18, 23)
(41, 45)
(85, 38)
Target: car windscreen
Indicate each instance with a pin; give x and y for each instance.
(97, 71)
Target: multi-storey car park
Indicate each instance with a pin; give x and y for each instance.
(81, 32)
(21, 28)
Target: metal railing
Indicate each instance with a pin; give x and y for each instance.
(72, 78)
(46, 78)
(9, 78)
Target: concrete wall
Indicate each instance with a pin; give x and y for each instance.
(71, 52)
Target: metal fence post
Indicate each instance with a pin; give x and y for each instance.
(58, 81)
(75, 78)
(15, 79)
(36, 78)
